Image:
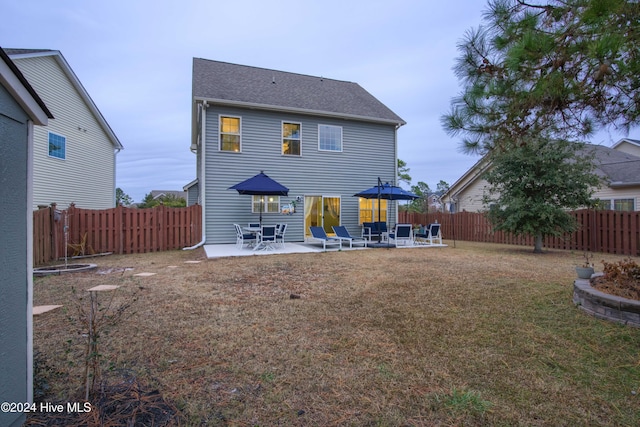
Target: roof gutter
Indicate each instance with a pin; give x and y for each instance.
(620, 184)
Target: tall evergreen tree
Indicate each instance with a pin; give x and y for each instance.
(558, 68)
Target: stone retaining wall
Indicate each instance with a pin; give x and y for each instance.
(605, 306)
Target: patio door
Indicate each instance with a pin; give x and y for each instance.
(323, 211)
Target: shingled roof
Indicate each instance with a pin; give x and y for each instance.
(241, 85)
(620, 169)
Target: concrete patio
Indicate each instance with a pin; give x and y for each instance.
(230, 250)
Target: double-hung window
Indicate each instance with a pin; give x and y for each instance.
(291, 138)
(329, 138)
(57, 146)
(267, 204)
(369, 210)
(230, 134)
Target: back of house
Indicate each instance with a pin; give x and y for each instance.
(323, 139)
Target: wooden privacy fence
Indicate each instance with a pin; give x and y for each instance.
(119, 230)
(599, 231)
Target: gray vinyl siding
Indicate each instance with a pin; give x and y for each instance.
(368, 152)
(13, 253)
(86, 176)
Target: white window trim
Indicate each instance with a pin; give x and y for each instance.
(282, 138)
(220, 116)
(49, 133)
(341, 139)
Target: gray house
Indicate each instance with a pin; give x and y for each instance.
(324, 139)
(20, 110)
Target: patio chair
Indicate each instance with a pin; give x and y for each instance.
(266, 239)
(254, 225)
(280, 230)
(343, 234)
(403, 234)
(242, 237)
(318, 233)
(431, 235)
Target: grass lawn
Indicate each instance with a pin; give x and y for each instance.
(476, 334)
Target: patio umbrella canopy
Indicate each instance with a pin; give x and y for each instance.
(260, 185)
(388, 192)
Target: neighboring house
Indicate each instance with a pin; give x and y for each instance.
(74, 159)
(626, 145)
(434, 203)
(20, 109)
(618, 165)
(157, 194)
(324, 139)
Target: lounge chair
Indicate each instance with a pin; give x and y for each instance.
(431, 235)
(343, 234)
(403, 234)
(318, 233)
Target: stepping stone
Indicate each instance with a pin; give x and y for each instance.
(192, 262)
(145, 274)
(101, 288)
(39, 309)
(172, 266)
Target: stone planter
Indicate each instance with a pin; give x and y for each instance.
(605, 306)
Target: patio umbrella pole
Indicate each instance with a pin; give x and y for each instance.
(379, 197)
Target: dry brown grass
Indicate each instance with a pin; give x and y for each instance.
(472, 335)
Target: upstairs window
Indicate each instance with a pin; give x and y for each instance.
(329, 138)
(230, 134)
(57, 146)
(291, 138)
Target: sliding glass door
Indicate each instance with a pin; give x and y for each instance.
(322, 211)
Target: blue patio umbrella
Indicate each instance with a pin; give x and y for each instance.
(260, 185)
(388, 192)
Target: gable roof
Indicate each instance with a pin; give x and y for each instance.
(32, 53)
(155, 194)
(12, 79)
(245, 86)
(620, 169)
(628, 140)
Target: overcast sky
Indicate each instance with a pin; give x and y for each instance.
(134, 58)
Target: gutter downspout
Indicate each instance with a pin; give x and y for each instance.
(201, 180)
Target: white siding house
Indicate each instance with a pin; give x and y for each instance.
(324, 139)
(75, 156)
(619, 165)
